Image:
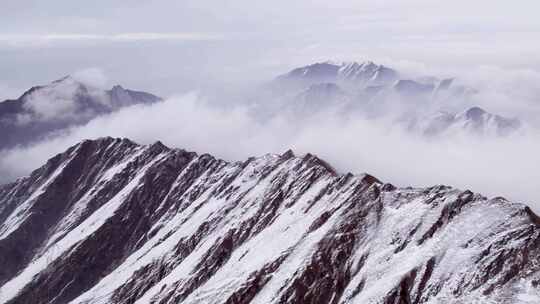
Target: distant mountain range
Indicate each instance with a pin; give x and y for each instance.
(44, 110)
(426, 105)
(111, 221)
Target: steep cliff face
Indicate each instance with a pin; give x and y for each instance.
(110, 221)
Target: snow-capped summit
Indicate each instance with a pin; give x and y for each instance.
(367, 73)
(346, 73)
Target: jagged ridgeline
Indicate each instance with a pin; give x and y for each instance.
(111, 221)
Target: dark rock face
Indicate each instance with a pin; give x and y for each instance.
(110, 221)
(44, 110)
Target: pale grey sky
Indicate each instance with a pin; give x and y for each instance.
(168, 46)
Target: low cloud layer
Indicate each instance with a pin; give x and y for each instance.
(495, 167)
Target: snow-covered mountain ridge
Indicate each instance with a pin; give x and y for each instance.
(111, 221)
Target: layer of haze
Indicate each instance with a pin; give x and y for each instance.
(504, 166)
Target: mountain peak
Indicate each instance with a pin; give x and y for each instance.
(117, 87)
(288, 154)
(363, 74)
(475, 113)
(66, 102)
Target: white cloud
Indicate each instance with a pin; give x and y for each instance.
(92, 77)
(58, 101)
(503, 166)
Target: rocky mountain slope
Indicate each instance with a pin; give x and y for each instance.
(66, 102)
(111, 221)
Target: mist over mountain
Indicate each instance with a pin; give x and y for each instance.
(45, 110)
(426, 105)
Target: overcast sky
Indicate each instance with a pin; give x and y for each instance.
(171, 46)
